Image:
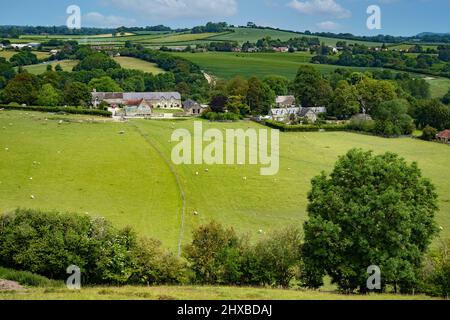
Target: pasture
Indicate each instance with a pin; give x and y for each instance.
(138, 64)
(66, 65)
(83, 164)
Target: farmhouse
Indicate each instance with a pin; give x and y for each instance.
(163, 100)
(191, 107)
(283, 114)
(285, 102)
(444, 136)
(311, 114)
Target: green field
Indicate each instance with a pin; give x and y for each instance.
(138, 64)
(8, 54)
(227, 65)
(88, 167)
(190, 293)
(67, 65)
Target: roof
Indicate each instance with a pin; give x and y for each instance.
(188, 104)
(288, 100)
(317, 110)
(137, 95)
(151, 95)
(444, 134)
(284, 111)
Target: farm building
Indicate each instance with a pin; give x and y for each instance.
(163, 100)
(283, 114)
(312, 114)
(191, 107)
(444, 136)
(285, 102)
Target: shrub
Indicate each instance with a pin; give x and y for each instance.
(214, 255)
(429, 133)
(216, 116)
(46, 243)
(436, 272)
(27, 278)
(71, 110)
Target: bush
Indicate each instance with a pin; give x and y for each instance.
(429, 133)
(27, 278)
(436, 272)
(217, 116)
(71, 110)
(304, 127)
(46, 243)
(214, 255)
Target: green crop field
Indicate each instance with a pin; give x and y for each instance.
(85, 165)
(67, 65)
(138, 64)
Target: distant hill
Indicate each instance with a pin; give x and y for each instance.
(424, 34)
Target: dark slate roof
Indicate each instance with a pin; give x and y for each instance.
(152, 95)
(188, 104)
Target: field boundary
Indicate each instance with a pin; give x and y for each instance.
(177, 178)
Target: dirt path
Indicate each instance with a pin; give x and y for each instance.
(211, 80)
(177, 178)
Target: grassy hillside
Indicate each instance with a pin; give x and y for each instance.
(88, 167)
(138, 64)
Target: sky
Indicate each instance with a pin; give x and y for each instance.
(398, 17)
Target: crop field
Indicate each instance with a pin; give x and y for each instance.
(138, 64)
(83, 164)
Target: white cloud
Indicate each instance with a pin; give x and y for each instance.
(328, 25)
(320, 7)
(95, 19)
(163, 9)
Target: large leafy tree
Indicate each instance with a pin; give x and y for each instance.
(23, 88)
(371, 210)
(344, 102)
(310, 88)
(105, 84)
(392, 118)
(48, 96)
(259, 96)
(76, 94)
(432, 113)
(372, 92)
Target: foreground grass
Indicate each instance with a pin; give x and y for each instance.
(190, 293)
(87, 166)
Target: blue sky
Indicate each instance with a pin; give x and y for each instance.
(399, 17)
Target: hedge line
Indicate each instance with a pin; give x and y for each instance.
(305, 128)
(71, 110)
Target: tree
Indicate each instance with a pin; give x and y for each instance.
(96, 61)
(310, 88)
(260, 98)
(372, 92)
(214, 255)
(344, 102)
(134, 84)
(237, 87)
(432, 113)
(77, 93)
(218, 103)
(429, 133)
(371, 210)
(58, 68)
(278, 84)
(391, 118)
(24, 58)
(104, 84)
(23, 88)
(446, 98)
(48, 96)
(6, 71)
